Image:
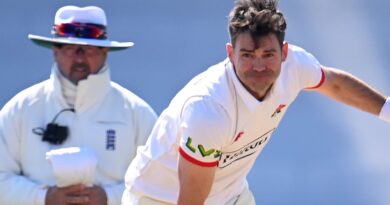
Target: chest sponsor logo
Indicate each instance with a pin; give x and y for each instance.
(256, 145)
(110, 139)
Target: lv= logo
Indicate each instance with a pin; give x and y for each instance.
(204, 152)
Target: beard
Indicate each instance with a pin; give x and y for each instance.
(259, 84)
(79, 71)
(80, 67)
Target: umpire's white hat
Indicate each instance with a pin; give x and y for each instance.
(81, 26)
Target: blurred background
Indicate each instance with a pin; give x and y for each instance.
(323, 152)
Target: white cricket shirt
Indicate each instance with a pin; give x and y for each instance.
(215, 121)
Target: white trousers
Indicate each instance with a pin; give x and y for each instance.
(245, 198)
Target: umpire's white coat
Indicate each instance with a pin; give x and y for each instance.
(102, 107)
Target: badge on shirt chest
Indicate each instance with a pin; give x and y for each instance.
(110, 139)
(278, 110)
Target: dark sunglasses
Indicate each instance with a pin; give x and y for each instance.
(80, 30)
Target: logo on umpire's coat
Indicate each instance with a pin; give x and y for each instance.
(110, 140)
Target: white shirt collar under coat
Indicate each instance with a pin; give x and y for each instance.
(89, 92)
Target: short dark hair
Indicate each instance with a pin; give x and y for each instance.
(258, 17)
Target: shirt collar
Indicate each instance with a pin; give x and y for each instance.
(88, 91)
(250, 101)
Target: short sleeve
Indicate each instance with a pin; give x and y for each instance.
(204, 129)
(307, 69)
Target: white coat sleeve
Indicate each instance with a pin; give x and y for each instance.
(145, 118)
(15, 188)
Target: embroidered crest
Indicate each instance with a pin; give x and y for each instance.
(110, 143)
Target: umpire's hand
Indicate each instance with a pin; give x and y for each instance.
(76, 194)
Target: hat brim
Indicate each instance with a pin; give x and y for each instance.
(49, 42)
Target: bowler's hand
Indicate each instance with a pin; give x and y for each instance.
(76, 194)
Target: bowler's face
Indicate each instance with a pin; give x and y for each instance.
(257, 64)
(76, 62)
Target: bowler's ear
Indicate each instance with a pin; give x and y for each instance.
(284, 51)
(230, 51)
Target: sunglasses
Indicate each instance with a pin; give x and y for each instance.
(80, 30)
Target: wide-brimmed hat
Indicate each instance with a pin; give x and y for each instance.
(80, 26)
